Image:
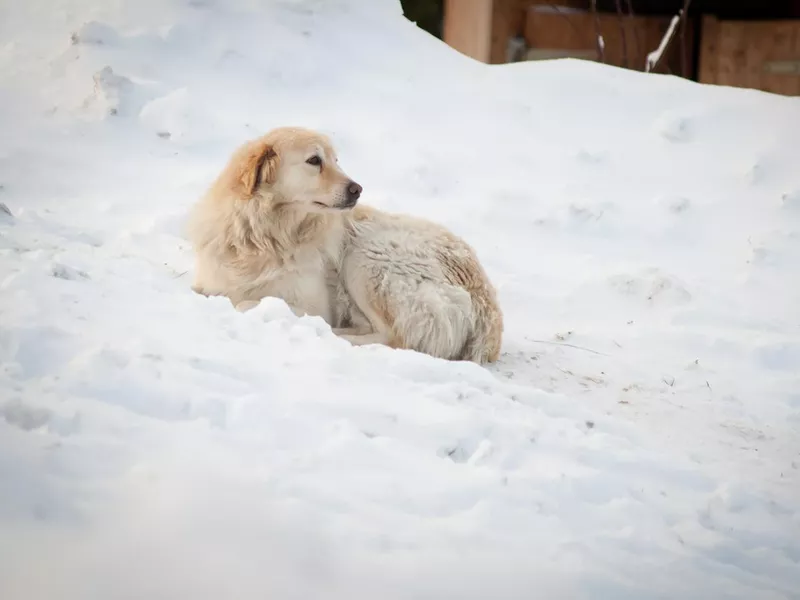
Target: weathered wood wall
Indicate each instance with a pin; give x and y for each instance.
(468, 27)
(482, 28)
(763, 55)
(628, 39)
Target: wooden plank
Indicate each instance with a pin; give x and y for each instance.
(556, 31)
(468, 27)
(760, 55)
(781, 47)
(508, 20)
(557, 4)
(731, 54)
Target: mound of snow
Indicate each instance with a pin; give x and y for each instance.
(637, 439)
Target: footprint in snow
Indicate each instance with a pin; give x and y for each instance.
(674, 204)
(756, 173)
(467, 451)
(112, 94)
(790, 200)
(5, 213)
(651, 286)
(581, 213)
(25, 417)
(592, 157)
(94, 33)
(31, 418)
(675, 128)
(61, 271)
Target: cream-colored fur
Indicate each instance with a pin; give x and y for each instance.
(280, 220)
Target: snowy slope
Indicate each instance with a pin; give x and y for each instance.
(638, 439)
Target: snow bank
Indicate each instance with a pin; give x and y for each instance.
(638, 438)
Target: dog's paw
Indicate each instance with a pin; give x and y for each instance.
(246, 305)
(366, 339)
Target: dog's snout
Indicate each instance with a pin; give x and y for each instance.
(354, 190)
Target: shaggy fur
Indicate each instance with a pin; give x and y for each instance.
(281, 220)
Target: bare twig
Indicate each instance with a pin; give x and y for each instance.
(654, 58)
(684, 57)
(634, 29)
(568, 345)
(601, 44)
(623, 35)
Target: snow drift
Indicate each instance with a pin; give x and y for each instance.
(638, 438)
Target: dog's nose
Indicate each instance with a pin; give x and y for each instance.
(354, 190)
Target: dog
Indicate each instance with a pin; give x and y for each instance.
(282, 219)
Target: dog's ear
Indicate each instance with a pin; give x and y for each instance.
(258, 166)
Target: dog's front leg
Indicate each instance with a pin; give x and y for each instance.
(352, 331)
(362, 335)
(245, 305)
(367, 339)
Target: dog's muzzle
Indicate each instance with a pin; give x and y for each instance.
(353, 192)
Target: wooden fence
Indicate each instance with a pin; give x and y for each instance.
(627, 40)
(764, 55)
(482, 29)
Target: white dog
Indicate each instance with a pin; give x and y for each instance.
(281, 220)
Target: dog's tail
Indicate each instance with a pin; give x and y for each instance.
(483, 343)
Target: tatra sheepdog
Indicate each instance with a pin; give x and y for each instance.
(281, 220)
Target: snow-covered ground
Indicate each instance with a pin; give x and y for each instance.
(639, 438)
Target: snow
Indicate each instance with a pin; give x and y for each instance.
(637, 439)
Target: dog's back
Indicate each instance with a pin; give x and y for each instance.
(421, 287)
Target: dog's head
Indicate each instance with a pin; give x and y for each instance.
(294, 166)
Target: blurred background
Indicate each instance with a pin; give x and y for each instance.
(742, 43)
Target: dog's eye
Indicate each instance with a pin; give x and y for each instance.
(315, 160)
